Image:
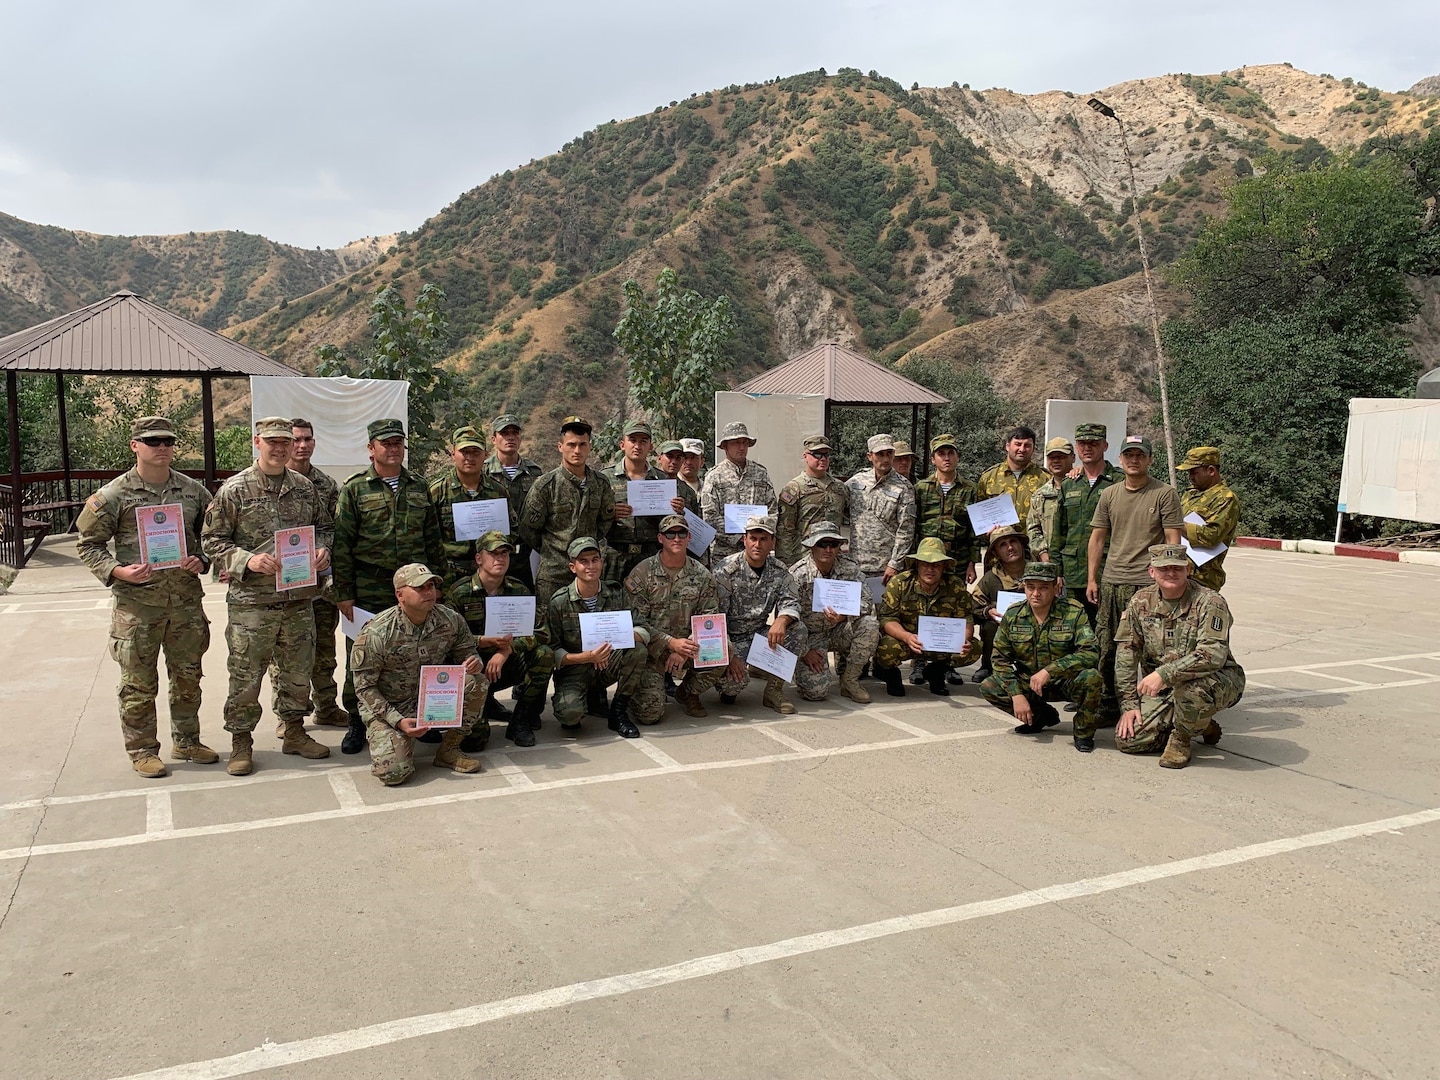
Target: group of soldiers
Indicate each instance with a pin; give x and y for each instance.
(1152, 658)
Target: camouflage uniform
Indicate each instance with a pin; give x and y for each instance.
(802, 502)
(1040, 521)
(853, 640)
(662, 601)
(882, 514)
(747, 599)
(265, 624)
(323, 689)
(725, 483)
(1070, 541)
(530, 660)
(516, 488)
(1000, 480)
(1064, 645)
(632, 539)
(984, 595)
(164, 613)
(904, 603)
(1220, 508)
(574, 682)
(445, 491)
(942, 515)
(1188, 642)
(386, 660)
(561, 508)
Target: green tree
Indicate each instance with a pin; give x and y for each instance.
(674, 346)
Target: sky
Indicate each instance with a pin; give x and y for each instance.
(317, 123)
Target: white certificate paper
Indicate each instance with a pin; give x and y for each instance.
(650, 498)
(1006, 599)
(514, 615)
(987, 514)
(939, 635)
(1192, 518)
(736, 514)
(702, 534)
(841, 596)
(474, 519)
(1200, 556)
(778, 661)
(295, 548)
(162, 535)
(351, 627)
(876, 585)
(599, 627)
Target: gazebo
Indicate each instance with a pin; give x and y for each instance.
(122, 335)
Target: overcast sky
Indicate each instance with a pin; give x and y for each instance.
(317, 123)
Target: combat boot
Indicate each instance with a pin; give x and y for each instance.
(689, 701)
(450, 757)
(495, 711)
(894, 684)
(242, 754)
(297, 742)
(775, 697)
(620, 721)
(354, 740)
(1211, 734)
(935, 676)
(518, 730)
(331, 716)
(196, 751)
(1177, 750)
(595, 702)
(149, 766)
(850, 686)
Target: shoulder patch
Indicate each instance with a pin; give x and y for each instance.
(1216, 623)
(95, 503)
(788, 496)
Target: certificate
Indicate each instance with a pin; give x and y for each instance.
(708, 631)
(1005, 599)
(514, 615)
(351, 627)
(876, 585)
(1200, 556)
(613, 628)
(939, 635)
(988, 514)
(843, 597)
(295, 550)
(534, 565)
(736, 514)
(162, 535)
(702, 533)
(778, 661)
(474, 519)
(650, 498)
(442, 695)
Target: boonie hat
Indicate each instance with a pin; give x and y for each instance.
(735, 430)
(761, 522)
(1137, 442)
(1090, 432)
(693, 446)
(414, 575)
(1058, 445)
(580, 545)
(941, 441)
(1199, 457)
(816, 442)
(673, 521)
(1041, 571)
(493, 540)
(155, 427)
(500, 423)
(274, 427)
(467, 438)
(387, 428)
(821, 530)
(876, 443)
(930, 550)
(1005, 532)
(637, 427)
(902, 449)
(1168, 555)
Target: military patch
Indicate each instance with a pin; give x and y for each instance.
(357, 656)
(787, 496)
(1216, 623)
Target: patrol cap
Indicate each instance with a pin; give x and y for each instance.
(500, 423)
(155, 427)
(274, 427)
(902, 449)
(1199, 457)
(669, 446)
(673, 521)
(414, 575)
(693, 446)
(580, 545)
(467, 438)
(1090, 432)
(735, 430)
(1058, 445)
(387, 428)
(637, 427)
(821, 530)
(939, 442)
(930, 550)
(1004, 532)
(816, 442)
(1137, 442)
(576, 423)
(1040, 571)
(761, 523)
(876, 443)
(493, 540)
(1168, 555)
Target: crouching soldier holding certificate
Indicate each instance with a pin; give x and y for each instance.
(752, 584)
(386, 661)
(928, 588)
(852, 638)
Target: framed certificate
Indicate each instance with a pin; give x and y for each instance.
(708, 632)
(162, 535)
(442, 695)
(295, 551)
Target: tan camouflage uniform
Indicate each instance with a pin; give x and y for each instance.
(882, 515)
(573, 683)
(662, 601)
(747, 600)
(1220, 507)
(561, 508)
(1000, 480)
(1040, 521)
(853, 640)
(802, 502)
(727, 484)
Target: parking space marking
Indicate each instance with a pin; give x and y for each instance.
(515, 776)
(783, 739)
(1347, 663)
(346, 793)
(159, 816)
(653, 752)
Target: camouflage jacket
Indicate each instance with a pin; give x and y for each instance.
(999, 480)
(985, 593)
(445, 490)
(242, 521)
(109, 514)
(562, 618)
(727, 484)
(942, 515)
(634, 530)
(325, 484)
(561, 508)
(468, 598)
(1181, 639)
(802, 502)
(882, 516)
(389, 652)
(1040, 522)
(377, 531)
(519, 487)
(904, 603)
(747, 598)
(663, 600)
(1070, 542)
(1220, 508)
(1063, 645)
(804, 574)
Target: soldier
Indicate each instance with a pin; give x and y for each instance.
(736, 480)
(464, 481)
(1211, 499)
(389, 652)
(581, 672)
(569, 501)
(692, 463)
(852, 638)
(264, 622)
(1070, 541)
(517, 475)
(1179, 633)
(523, 662)
(904, 461)
(669, 456)
(632, 539)
(664, 591)
(384, 520)
(926, 589)
(1016, 476)
(882, 512)
(752, 584)
(153, 609)
(812, 496)
(1006, 558)
(1040, 521)
(1045, 651)
(940, 501)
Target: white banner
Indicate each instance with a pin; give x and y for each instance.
(777, 422)
(1392, 459)
(339, 408)
(1062, 416)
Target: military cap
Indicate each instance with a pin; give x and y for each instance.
(467, 438)
(674, 521)
(902, 449)
(580, 545)
(156, 427)
(493, 540)
(1199, 457)
(876, 443)
(1137, 442)
(1058, 445)
(637, 427)
(735, 430)
(821, 530)
(669, 446)
(414, 575)
(384, 429)
(939, 442)
(1041, 571)
(1004, 532)
(816, 442)
(930, 550)
(579, 423)
(693, 446)
(500, 423)
(1090, 432)
(274, 427)
(761, 522)
(1168, 555)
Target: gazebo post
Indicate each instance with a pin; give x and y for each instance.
(64, 432)
(12, 409)
(826, 432)
(914, 425)
(208, 408)
(927, 435)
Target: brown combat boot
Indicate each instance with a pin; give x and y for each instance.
(242, 754)
(331, 716)
(297, 742)
(1211, 734)
(196, 751)
(1177, 750)
(689, 701)
(450, 757)
(149, 766)
(775, 697)
(850, 686)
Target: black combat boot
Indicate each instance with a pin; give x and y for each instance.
(620, 721)
(517, 730)
(494, 710)
(935, 676)
(354, 740)
(894, 685)
(595, 703)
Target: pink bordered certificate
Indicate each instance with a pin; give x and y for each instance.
(295, 550)
(162, 535)
(442, 695)
(708, 632)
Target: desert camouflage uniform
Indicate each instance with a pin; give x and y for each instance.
(515, 491)
(1063, 645)
(559, 509)
(853, 640)
(530, 660)
(747, 599)
(1070, 540)
(882, 515)
(445, 491)
(389, 652)
(727, 484)
(1220, 508)
(1040, 521)
(263, 623)
(662, 601)
(904, 603)
(574, 683)
(324, 691)
(163, 614)
(802, 502)
(942, 515)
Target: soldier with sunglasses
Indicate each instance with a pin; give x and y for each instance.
(812, 496)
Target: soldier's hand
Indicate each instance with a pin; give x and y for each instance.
(1040, 680)
(262, 563)
(346, 608)
(322, 560)
(912, 641)
(134, 574)
(493, 667)
(601, 656)
(622, 510)
(890, 572)
(684, 648)
(737, 670)
(472, 665)
(833, 617)
(677, 504)
(193, 564)
(814, 660)
(1151, 685)
(1129, 719)
(776, 636)
(1021, 705)
(969, 573)
(1092, 593)
(412, 727)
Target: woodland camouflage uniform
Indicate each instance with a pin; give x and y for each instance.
(1220, 507)
(1000, 480)
(516, 489)
(531, 659)
(942, 515)
(1064, 645)
(904, 602)
(445, 490)
(574, 682)
(324, 691)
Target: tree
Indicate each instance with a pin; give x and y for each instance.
(674, 348)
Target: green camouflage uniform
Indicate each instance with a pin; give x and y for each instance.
(853, 639)
(942, 515)
(163, 614)
(1188, 642)
(802, 502)
(725, 483)
(746, 600)
(574, 682)
(1070, 542)
(1000, 480)
(882, 515)
(445, 491)
(632, 539)
(1064, 645)
(516, 489)
(323, 689)
(662, 601)
(984, 595)
(385, 662)
(904, 603)
(1040, 522)
(531, 658)
(263, 623)
(1220, 508)
(559, 509)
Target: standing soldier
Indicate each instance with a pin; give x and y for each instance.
(752, 584)
(1040, 522)
(632, 539)
(1016, 476)
(517, 475)
(852, 638)
(940, 501)
(904, 461)
(927, 589)
(1070, 541)
(882, 512)
(384, 520)
(812, 496)
(265, 623)
(464, 481)
(1211, 499)
(692, 463)
(569, 501)
(736, 480)
(153, 609)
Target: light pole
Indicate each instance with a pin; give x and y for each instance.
(1105, 110)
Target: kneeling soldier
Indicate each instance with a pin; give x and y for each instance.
(1045, 651)
(852, 638)
(509, 661)
(1179, 632)
(752, 584)
(386, 660)
(927, 588)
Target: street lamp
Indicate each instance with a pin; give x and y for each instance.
(1105, 110)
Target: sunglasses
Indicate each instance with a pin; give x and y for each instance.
(827, 543)
(676, 534)
(819, 453)
(157, 440)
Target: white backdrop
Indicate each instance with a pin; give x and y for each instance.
(339, 408)
(1392, 459)
(1062, 417)
(778, 423)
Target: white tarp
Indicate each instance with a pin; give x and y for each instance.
(339, 408)
(1392, 459)
(1062, 417)
(778, 423)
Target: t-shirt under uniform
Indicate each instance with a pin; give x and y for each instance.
(1136, 520)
